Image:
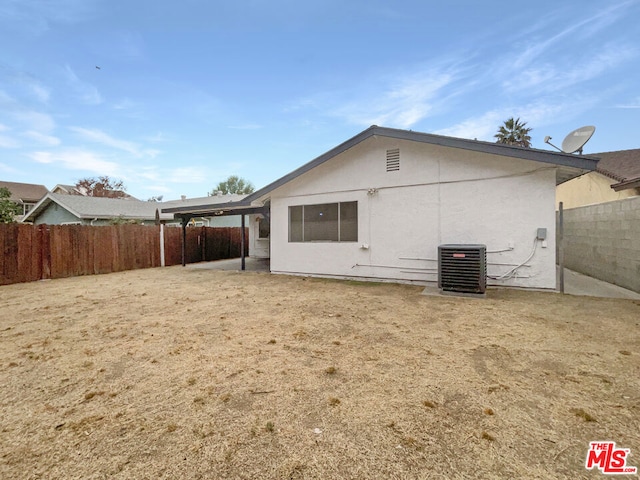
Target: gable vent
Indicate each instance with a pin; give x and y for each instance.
(393, 160)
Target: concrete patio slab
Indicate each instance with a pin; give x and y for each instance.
(575, 283)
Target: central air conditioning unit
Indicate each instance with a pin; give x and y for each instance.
(462, 268)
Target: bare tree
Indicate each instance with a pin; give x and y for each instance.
(101, 187)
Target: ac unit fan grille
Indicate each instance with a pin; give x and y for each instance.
(462, 268)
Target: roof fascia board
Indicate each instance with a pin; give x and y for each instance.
(633, 183)
(555, 158)
(206, 207)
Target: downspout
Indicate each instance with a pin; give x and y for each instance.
(91, 222)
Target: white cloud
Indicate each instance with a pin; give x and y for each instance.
(149, 173)
(36, 16)
(36, 121)
(586, 27)
(481, 128)
(635, 103)
(5, 141)
(48, 140)
(538, 115)
(7, 169)
(407, 101)
(77, 159)
(40, 92)
(98, 136)
(159, 137)
(103, 138)
(549, 77)
(8, 142)
(187, 175)
(124, 104)
(84, 91)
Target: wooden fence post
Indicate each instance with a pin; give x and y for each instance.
(45, 249)
(162, 262)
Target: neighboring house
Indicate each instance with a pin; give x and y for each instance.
(66, 209)
(25, 194)
(617, 176)
(67, 190)
(379, 205)
(73, 190)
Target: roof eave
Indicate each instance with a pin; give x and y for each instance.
(633, 183)
(580, 164)
(206, 207)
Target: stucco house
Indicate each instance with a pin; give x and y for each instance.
(61, 209)
(616, 177)
(378, 206)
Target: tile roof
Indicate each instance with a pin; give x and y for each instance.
(621, 165)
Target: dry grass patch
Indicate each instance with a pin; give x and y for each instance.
(185, 373)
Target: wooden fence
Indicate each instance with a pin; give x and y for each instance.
(35, 252)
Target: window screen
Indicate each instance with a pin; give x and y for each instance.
(326, 222)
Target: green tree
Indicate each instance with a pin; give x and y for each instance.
(514, 132)
(102, 187)
(233, 184)
(8, 208)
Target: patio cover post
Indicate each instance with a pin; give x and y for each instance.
(242, 242)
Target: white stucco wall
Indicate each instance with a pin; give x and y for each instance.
(258, 247)
(440, 195)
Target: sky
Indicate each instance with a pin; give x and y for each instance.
(173, 97)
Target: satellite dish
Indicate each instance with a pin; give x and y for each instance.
(575, 140)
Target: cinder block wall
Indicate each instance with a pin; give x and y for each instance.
(603, 241)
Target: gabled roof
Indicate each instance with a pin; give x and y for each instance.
(621, 165)
(27, 192)
(127, 208)
(98, 207)
(66, 189)
(569, 166)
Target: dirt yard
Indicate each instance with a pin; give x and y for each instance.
(185, 373)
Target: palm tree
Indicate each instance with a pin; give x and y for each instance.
(514, 133)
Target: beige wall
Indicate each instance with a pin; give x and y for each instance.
(590, 189)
